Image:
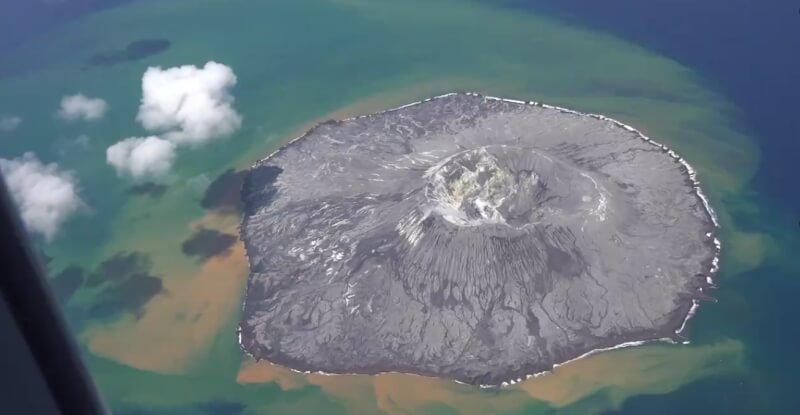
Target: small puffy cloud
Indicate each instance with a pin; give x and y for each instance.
(9, 122)
(45, 195)
(189, 105)
(185, 106)
(142, 158)
(81, 107)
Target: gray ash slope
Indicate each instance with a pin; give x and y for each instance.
(469, 238)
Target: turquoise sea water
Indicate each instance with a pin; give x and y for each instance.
(303, 61)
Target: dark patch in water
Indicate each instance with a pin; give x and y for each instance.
(21, 20)
(129, 295)
(148, 189)
(206, 243)
(125, 285)
(136, 50)
(119, 267)
(67, 282)
(221, 407)
(224, 193)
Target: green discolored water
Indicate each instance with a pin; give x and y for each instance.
(301, 61)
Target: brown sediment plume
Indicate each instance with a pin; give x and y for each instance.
(748, 250)
(221, 221)
(402, 394)
(265, 372)
(354, 392)
(653, 369)
(391, 393)
(176, 329)
(621, 374)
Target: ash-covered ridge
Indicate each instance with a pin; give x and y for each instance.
(470, 238)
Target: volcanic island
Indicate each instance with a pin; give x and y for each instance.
(472, 238)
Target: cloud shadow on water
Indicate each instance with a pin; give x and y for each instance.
(224, 193)
(151, 189)
(219, 407)
(119, 267)
(67, 282)
(129, 295)
(124, 285)
(206, 243)
(136, 50)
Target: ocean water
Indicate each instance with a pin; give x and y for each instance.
(304, 61)
(746, 49)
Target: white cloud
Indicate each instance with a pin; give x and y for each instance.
(9, 122)
(185, 106)
(142, 158)
(79, 106)
(189, 105)
(45, 195)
